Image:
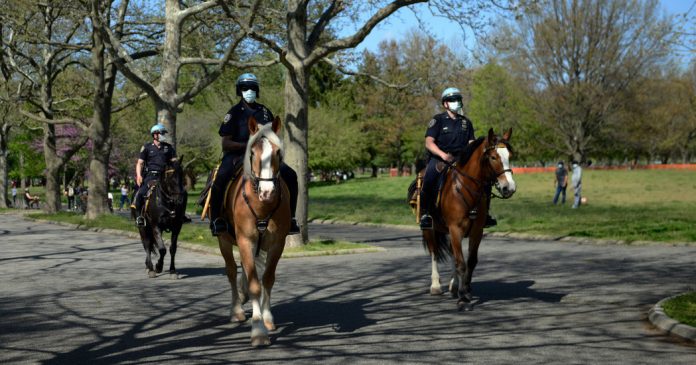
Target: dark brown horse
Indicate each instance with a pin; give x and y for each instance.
(483, 164)
(258, 204)
(164, 210)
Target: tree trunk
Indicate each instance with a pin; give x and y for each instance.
(3, 165)
(295, 140)
(100, 129)
(53, 165)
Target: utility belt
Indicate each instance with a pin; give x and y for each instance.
(454, 153)
(154, 173)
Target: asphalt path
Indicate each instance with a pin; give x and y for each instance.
(79, 297)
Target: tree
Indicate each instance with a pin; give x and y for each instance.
(582, 54)
(40, 42)
(304, 35)
(190, 37)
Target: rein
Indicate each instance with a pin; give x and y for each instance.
(261, 224)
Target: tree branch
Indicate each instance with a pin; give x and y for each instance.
(38, 118)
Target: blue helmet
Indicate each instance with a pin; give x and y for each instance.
(158, 128)
(248, 80)
(451, 94)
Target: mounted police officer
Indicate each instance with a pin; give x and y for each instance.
(447, 135)
(235, 135)
(154, 157)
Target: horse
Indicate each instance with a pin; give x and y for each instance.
(164, 210)
(483, 164)
(258, 205)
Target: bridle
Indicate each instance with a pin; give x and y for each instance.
(494, 180)
(261, 224)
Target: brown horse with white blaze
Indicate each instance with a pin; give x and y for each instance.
(258, 204)
(483, 164)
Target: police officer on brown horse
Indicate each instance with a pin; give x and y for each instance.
(153, 159)
(235, 135)
(447, 135)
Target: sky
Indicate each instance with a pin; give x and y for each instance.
(403, 21)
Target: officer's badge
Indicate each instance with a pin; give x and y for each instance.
(227, 118)
(431, 123)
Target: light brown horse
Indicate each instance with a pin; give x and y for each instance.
(258, 204)
(483, 164)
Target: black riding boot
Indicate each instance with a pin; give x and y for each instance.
(139, 219)
(490, 221)
(426, 221)
(218, 225)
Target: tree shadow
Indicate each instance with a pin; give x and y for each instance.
(343, 317)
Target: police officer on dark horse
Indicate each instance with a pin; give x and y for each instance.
(154, 158)
(447, 135)
(235, 135)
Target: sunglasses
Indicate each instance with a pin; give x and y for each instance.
(453, 98)
(246, 88)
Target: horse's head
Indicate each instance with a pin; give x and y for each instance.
(498, 153)
(263, 157)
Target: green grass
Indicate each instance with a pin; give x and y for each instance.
(191, 233)
(682, 308)
(625, 205)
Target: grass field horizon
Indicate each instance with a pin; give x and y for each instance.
(629, 205)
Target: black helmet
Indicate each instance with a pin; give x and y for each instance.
(247, 80)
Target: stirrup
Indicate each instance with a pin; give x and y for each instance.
(294, 227)
(473, 214)
(426, 222)
(218, 226)
(140, 221)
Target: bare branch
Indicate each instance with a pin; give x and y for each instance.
(364, 74)
(80, 123)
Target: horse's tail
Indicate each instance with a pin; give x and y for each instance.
(442, 249)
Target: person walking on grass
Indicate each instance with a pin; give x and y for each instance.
(561, 183)
(576, 180)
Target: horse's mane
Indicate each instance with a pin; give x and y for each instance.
(264, 131)
(469, 150)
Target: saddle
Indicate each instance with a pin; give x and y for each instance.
(414, 189)
(204, 197)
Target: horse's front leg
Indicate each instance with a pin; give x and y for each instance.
(456, 235)
(271, 264)
(176, 229)
(160, 247)
(472, 260)
(429, 238)
(259, 332)
(146, 239)
(225, 241)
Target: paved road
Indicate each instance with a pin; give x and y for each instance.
(70, 297)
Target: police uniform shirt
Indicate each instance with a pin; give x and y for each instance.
(451, 135)
(156, 158)
(235, 122)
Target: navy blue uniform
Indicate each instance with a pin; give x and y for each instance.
(235, 125)
(156, 160)
(451, 136)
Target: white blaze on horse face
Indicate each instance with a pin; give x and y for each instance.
(266, 187)
(509, 182)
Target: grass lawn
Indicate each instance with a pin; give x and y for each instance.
(191, 233)
(682, 308)
(653, 205)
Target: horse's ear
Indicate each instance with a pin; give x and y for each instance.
(253, 125)
(507, 134)
(491, 137)
(276, 125)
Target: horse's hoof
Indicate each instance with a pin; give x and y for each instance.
(435, 291)
(465, 306)
(468, 297)
(269, 325)
(238, 317)
(260, 341)
(151, 274)
(173, 275)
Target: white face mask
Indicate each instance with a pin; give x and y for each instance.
(249, 96)
(560, 166)
(163, 138)
(454, 106)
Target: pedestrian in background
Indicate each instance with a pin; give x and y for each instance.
(561, 182)
(14, 194)
(124, 196)
(576, 180)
